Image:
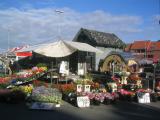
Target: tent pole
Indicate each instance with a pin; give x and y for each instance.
(51, 73)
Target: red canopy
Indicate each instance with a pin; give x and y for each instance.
(23, 54)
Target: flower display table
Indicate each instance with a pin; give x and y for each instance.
(45, 98)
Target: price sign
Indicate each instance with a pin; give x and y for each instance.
(87, 88)
(79, 88)
(83, 101)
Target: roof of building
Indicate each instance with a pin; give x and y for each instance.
(156, 45)
(128, 47)
(148, 45)
(140, 44)
(97, 38)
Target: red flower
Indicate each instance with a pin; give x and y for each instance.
(67, 88)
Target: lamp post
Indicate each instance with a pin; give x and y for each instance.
(59, 12)
(154, 76)
(113, 65)
(159, 12)
(8, 46)
(8, 38)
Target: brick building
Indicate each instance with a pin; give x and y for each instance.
(145, 49)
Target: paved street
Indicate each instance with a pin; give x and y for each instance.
(119, 111)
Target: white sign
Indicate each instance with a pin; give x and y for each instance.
(87, 88)
(83, 101)
(64, 67)
(81, 68)
(143, 97)
(79, 88)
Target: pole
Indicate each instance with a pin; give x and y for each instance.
(113, 69)
(154, 76)
(51, 73)
(159, 12)
(145, 50)
(59, 30)
(8, 39)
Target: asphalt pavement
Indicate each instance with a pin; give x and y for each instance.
(119, 111)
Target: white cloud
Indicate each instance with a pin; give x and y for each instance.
(33, 26)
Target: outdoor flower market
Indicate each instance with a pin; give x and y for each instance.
(42, 87)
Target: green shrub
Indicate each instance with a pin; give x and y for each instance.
(3, 86)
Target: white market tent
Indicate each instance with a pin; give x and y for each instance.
(61, 48)
(56, 49)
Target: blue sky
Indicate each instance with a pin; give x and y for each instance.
(35, 21)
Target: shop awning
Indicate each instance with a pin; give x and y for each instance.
(23, 54)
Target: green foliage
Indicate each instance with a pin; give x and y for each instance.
(3, 86)
(88, 76)
(78, 82)
(2, 75)
(41, 65)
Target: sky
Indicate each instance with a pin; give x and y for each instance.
(30, 22)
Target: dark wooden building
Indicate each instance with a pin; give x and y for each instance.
(99, 39)
(106, 42)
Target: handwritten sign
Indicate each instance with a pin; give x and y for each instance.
(83, 101)
(87, 88)
(79, 88)
(143, 97)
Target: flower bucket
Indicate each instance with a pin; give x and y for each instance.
(96, 102)
(107, 101)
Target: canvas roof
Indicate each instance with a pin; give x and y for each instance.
(61, 48)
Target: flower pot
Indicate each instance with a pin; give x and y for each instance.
(65, 97)
(96, 102)
(130, 98)
(107, 101)
(91, 102)
(154, 97)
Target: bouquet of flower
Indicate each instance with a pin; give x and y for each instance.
(27, 89)
(67, 88)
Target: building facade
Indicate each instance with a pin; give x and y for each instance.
(145, 49)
